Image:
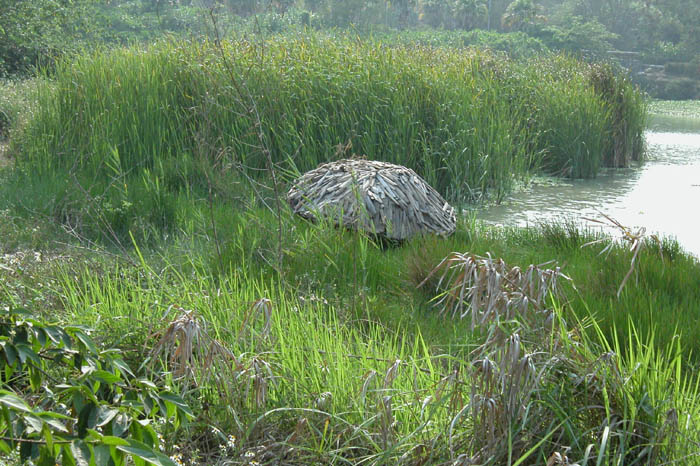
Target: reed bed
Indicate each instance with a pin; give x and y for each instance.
(139, 131)
(303, 343)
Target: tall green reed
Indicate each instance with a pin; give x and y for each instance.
(470, 122)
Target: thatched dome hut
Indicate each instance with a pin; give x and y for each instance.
(388, 200)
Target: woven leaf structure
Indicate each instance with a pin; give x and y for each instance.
(388, 200)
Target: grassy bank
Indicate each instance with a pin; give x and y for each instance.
(673, 115)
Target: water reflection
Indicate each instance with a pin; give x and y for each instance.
(662, 195)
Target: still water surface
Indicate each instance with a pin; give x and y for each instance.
(662, 195)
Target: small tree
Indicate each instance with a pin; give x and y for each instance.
(522, 15)
(470, 14)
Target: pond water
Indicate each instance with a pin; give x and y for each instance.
(662, 194)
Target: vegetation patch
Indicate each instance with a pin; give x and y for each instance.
(133, 150)
(337, 356)
(686, 108)
(284, 341)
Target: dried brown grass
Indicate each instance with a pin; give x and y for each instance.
(187, 346)
(635, 239)
(537, 385)
(195, 357)
(487, 290)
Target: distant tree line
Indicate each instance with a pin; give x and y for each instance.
(34, 31)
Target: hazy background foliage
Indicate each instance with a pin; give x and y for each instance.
(34, 32)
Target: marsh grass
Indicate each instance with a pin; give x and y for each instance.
(635, 239)
(345, 361)
(131, 139)
(16, 104)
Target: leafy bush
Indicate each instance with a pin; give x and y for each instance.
(516, 45)
(64, 398)
(577, 35)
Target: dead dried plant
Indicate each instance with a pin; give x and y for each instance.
(188, 348)
(487, 290)
(261, 306)
(257, 376)
(198, 359)
(522, 352)
(636, 239)
(504, 380)
(559, 459)
(383, 395)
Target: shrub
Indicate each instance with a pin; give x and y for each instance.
(64, 398)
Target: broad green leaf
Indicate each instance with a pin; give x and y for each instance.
(89, 394)
(124, 367)
(13, 402)
(56, 424)
(34, 422)
(46, 456)
(161, 406)
(113, 441)
(35, 378)
(117, 456)
(106, 377)
(102, 455)
(66, 387)
(48, 437)
(67, 341)
(105, 415)
(147, 383)
(10, 354)
(50, 414)
(148, 404)
(26, 352)
(92, 434)
(139, 450)
(87, 418)
(86, 340)
(121, 424)
(150, 436)
(8, 372)
(54, 333)
(177, 401)
(67, 457)
(40, 334)
(5, 448)
(81, 452)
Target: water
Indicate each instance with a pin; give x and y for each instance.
(662, 195)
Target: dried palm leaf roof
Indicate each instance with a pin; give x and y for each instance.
(378, 197)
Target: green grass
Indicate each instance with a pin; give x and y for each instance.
(16, 108)
(674, 115)
(680, 108)
(149, 158)
(322, 385)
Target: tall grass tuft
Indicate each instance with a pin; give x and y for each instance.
(624, 140)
